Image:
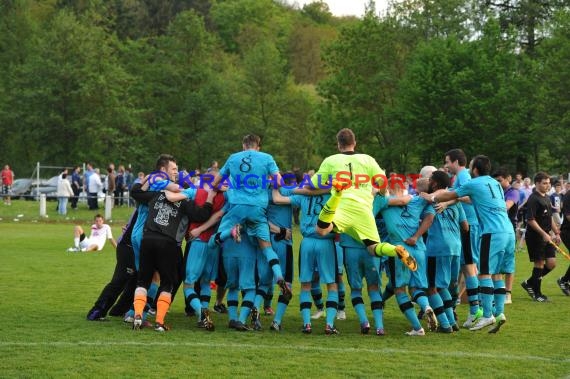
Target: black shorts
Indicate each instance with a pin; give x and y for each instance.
(162, 255)
(538, 250)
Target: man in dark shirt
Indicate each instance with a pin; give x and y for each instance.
(160, 249)
(538, 236)
(564, 281)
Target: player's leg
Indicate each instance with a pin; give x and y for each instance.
(195, 262)
(285, 253)
(144, 278)
(341, 314)
(307, 265)
(374, 282)
(264, 281)
(317, 295)
(327, 214)
(168, 267)
(354, 274)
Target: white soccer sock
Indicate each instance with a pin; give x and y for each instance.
(76, 242)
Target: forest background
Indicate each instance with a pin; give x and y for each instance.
(124, 80)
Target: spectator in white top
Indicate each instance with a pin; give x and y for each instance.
(93, 187)
(64, 192)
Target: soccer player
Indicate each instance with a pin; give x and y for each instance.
(100, 233)
(247, 174)
(564, 281)
(455, 162)
(349, 209)
(497, 237)
(538, 236)
(443, 250)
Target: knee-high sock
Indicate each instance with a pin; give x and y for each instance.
(437, 304)
(317, 294)
(162, 306)
(472, 288)
(447, 304)
(358, 304)
(327, 213)
(332, 306)
(486, 291)
(246, 305)
(269, 297)
(377, 306)
(385, 248)
(260, 295)
(205, 294)
(232, 297)
(273, 260)
(419, 296)
(192, 299)
(499, 295)
(407, 309)
(305, 306)
(566, 277)
(341, 296)
(281, 308)
(140, 301)
(534, 280)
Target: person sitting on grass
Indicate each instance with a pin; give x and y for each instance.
(100, 232)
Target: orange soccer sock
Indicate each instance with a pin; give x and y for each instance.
(140, 302)
(162, 305)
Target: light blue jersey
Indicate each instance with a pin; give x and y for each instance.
(247, 174)
(461, 178)
(280, 214)
(310, 209)
(487, 196)
(444, 236)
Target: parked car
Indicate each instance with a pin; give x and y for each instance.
(47, 187)
(21, 187)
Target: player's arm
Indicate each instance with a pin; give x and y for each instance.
(311, 192)
(140, 195)
(213, 220)
(439, 196)
(423, 228)
(113, 242)
(278, 198)
(188, 193)
(399, 200)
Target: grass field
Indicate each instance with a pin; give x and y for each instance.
(46, 293)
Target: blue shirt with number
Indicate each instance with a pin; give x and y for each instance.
(310, 208)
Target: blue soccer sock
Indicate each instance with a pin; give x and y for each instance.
(260, 295)
(332, 306)
(437, 304)
(269, 297)
(273, 260)
(246, 305)
(407, 309)
(317, 294)
(377, 306)
(305, 306)
(358, 305)
(472, 288)
(151, 293)
(193, 300)
(447, 304)
(421, 299)
(341, 296)
(486, 291)
(499, 294)
(232, 298)
(205, 294)
(281, 308)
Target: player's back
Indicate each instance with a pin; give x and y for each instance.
(444, 236)
(310, 208)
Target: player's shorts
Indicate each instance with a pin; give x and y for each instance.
(397, 272)
(508, 266)
(470, 243)
(360, 264)
(442, 271)
(339, 258)
(538, 249)
(418, 278)
(317, 253)
(357, 221)
(201, 263)
(284, 252)
(263, 272)
(239, 264)
(252, 217)
(494, 247)
(85, 242)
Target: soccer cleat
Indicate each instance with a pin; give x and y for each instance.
(499, 321)
(419, 332)
(472, 319)
(318, 314)
(331, 330)
(268, 311)
(431, 319)
(232, 324)
(441, 329)
(455, 327)
(236, 233)
(206, 321)
(137, 322)
(541, 298)
(341, 315)
(380, 332)
(220, 308)
(285, 289)
(307, 329)
(364, 327)
(564, 286)
(339, 186)
(95, 314)
(128, 319)
(528, 288)
(161, 328)
(483, 322)
(406, 258)
(241, 327)
(508, 298)
(421, 314)
(275, 327)
(255, 319)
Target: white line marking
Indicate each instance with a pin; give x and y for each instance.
(457, 354)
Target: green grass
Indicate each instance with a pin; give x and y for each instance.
(46, 294)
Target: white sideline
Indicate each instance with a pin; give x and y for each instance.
(457, 354)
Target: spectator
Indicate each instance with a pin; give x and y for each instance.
(119, 185)
(76, 186)
(7, 181)
(64, 192)
(556, 201)
(129, 180)
(93, 187)
(88, 172)
(110, 181)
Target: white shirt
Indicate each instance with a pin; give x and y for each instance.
(95, 184)
(98, 236)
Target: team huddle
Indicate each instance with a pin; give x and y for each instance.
(238, 233)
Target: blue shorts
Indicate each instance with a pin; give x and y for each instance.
(442, 271)
(201, 263)
(470, 246)
(252, 217)
(398, 273)
(360, 264)
(339, 258)
(239, 264)
(418, 278)
(317, 253)
(264, 274)
(495, 249)
(508, 266)
(284, 252)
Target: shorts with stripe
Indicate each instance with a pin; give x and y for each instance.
(320, 254)
(442, 271)
(418, 278)
(284, 252)
(201, 262)
(494, 246)
(470, 243)
(360, 264)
